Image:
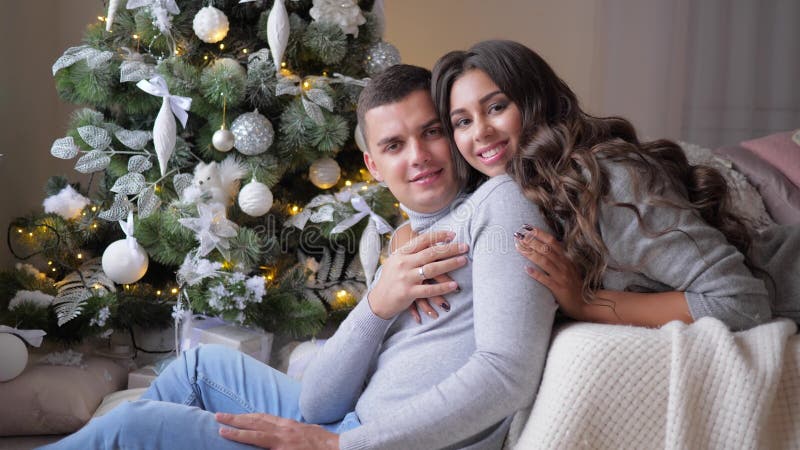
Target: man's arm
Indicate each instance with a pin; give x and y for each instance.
(513, 317)
(335, 378)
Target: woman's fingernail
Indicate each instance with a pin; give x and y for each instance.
(528, 227)
(519, 235)
(445, 307)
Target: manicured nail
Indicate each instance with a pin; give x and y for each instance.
(519, 235)
(445, 307)
(528, 227)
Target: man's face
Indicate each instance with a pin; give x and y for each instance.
(409, 152)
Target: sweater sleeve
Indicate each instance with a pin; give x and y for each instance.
(333, 381)
(678, 249)
(513, 316)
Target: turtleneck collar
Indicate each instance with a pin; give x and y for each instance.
(422, 221)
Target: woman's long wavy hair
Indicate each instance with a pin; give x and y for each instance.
(558, 165)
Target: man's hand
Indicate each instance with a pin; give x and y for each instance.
(276, 433)
(404, 272)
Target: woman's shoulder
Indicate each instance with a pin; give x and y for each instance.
(498, 186)
(500, 199)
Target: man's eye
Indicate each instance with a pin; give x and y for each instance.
(392, 147)
(433, 132)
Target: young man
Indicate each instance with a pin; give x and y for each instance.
(382, 381)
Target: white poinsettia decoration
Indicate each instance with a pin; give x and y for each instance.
(344, 13)
(213, 229)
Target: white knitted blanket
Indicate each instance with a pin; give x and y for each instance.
(678, 387)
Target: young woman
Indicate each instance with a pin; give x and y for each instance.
(646, 238)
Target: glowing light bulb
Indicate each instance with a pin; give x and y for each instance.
(80, 255)
(174, 290)
(222, 46)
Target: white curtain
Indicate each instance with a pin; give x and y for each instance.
(710, 72)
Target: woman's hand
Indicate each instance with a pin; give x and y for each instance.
(553, 268)
(401, 237)
(404, 273)
(276, 433)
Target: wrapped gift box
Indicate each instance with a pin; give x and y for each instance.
(256, 343)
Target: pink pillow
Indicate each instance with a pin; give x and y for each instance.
(779, 150)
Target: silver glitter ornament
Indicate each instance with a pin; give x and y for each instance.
(252, 133)
(381, 56)
(223, 140)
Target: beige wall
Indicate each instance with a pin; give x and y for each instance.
(35, 34)
(561, 31)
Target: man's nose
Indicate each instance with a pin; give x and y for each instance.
(420, 152)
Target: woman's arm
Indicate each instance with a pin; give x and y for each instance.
(559, 274)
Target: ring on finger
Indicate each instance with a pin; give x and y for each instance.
(421, 272)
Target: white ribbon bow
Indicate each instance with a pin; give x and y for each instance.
(127, 228)
(363, 209)
(158, 86)
(32, 337)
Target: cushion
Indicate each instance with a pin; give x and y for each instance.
(779, 150)
(780, 195)
(50, 399)
(746, 200)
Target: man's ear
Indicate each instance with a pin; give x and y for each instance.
(373, 169)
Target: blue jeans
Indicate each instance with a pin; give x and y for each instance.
(177, 411)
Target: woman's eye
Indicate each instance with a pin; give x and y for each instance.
(461, 123)
(496, 107)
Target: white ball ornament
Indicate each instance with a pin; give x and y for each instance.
(252, 133)
(223, 140)
(210, 25)
(123, 264)
(324, 173)
(255, 199)
(13, 356)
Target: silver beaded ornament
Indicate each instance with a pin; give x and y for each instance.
(252, 133)
(381, 56)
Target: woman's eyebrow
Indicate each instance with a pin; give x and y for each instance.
(482, 100)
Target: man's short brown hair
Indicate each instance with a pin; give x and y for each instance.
(391, 86)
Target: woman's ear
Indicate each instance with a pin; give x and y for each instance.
(372, 167)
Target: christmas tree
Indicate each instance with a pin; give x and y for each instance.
(225, 175)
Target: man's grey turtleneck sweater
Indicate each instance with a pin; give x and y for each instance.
(455, 381)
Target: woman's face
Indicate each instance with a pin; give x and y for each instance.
(486, 123)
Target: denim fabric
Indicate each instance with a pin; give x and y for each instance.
(177, 411)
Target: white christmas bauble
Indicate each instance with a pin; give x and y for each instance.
(255, 199)
(232, 64)
(13, 356)
(381, 56)
(210, 25)
(324, 173)
(123, 264)
(222, 140)
(252, 133)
